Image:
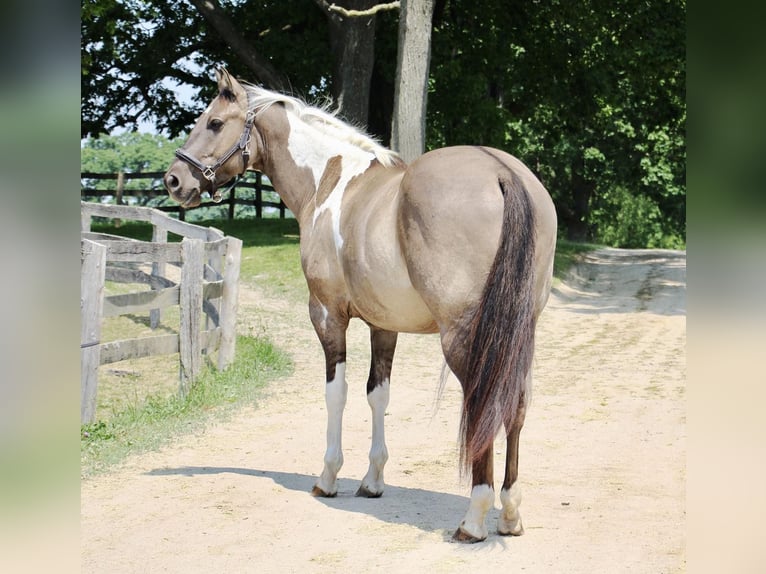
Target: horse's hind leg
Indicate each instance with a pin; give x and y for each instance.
(383, 344)
(473, 527)
(509, 522)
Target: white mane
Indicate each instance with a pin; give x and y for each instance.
(323, 119)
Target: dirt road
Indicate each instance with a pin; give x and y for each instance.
(602, 463)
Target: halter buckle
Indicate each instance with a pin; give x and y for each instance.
(209, 173)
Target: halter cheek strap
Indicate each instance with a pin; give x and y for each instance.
(208, 171)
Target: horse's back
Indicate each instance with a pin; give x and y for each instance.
(451, 218)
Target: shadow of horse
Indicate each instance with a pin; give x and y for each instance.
(426, 510)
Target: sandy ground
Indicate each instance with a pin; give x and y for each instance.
(602, 463)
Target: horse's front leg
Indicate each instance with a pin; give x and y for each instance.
(383, 344)
(331, 330)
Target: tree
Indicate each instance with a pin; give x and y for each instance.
(590, 95)
(408, 128)
(130, 152)
(352, 39)
(263, 70)
(136, 54)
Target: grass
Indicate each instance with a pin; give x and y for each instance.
(157, 419)
(139, 413)
(567, 254)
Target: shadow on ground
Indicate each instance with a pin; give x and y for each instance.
(427, 510)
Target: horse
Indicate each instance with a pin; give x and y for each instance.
(460, 242)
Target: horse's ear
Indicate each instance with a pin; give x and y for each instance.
(228, 87)
(224, 80)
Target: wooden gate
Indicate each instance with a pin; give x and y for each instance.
(205, 274)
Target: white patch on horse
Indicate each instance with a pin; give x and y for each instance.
(311, 148)
(325, 312)
(509, 521)
(353, 164)
(378, 400)
(482, 499)
(336, 392)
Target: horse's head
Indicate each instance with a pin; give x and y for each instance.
(218, 147)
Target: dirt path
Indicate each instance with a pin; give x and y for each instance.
(602, 454)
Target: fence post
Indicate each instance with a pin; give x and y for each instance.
(258, 195)
(93, 268)
(120, 188)
(232, 202)
(228, 315)
(85, 221)
(118, 194)
(193, 262)
(159, 235)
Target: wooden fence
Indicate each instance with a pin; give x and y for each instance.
(248, 192)
(207, 263)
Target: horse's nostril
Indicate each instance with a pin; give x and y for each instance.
(171, 182)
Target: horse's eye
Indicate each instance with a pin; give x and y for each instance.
(215, 124)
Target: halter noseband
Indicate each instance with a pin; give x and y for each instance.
(209, 170)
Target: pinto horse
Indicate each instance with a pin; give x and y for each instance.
(459, 242)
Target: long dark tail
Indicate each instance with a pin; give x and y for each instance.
(500, 340)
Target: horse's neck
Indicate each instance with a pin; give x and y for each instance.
(304, 165)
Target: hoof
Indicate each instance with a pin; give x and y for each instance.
(319, 493)
(364, 492)
(463, 537)
(518, 531)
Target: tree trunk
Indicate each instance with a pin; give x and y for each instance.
(408, 128)
(352, 40)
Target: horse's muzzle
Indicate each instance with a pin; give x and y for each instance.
(187, 197)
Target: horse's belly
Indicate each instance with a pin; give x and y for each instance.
(391, 306)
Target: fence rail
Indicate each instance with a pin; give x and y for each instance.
(207, 263)
(249, 191)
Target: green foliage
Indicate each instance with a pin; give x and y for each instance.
(591, 95)
(130, 152)
(629, 220)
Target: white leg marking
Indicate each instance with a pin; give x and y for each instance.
(335, 399)
(482, 499)
(509, 521)
(378, 399)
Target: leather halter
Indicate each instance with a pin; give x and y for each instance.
(208, 171)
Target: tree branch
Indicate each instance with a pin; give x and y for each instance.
(266, 73)
(330, 8)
